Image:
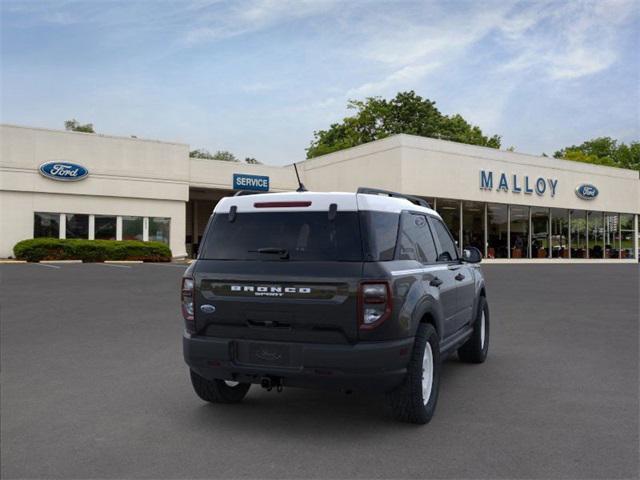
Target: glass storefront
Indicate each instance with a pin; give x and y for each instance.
(611, 235)
(626, 236)
(46, 225)
(100, 227)
(132, 228)
(497, 231)
(540, 232)
(595, 226)
(473, 225)
(449, 210)
(77, 226)
(105, 227)
(159, 229)
(559, 233)
(578, 234)
(519, 232)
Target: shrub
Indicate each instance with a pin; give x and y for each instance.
(36, 249)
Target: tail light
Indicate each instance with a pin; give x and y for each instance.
(374, 304)
(186, 298)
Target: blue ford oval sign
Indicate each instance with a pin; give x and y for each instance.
(586, 191)
(64, 171)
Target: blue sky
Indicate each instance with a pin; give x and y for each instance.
(258, 77)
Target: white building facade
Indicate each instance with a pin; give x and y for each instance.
(513, 207)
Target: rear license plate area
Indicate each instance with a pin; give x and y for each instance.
(261, 353)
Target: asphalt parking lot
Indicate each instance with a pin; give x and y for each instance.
(94, 386)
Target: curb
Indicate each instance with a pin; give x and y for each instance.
(123, 261)
(60, 261)
(7, 261)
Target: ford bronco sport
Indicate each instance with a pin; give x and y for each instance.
(350, 291)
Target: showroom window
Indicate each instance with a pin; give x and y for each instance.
(46, 225)
(519, 233)
(595, 236)
(539, 232)
(578, 234)
(77, 226)
(132, 228)
(559, 233)
(449, 210)
(159, 229)
(497, 231)
(473, 225)
(611, 235)
(626, 236)
(105, 227)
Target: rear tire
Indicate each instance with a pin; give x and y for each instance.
(218, 391)
(476, 348)
(415, 400)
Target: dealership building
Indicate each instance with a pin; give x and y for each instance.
(514, 207)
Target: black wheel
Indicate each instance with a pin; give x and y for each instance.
(415, 400)
(476, 348)
(218, 391)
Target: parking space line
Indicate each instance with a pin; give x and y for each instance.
(113, 265)
(46, 265)
(169, 265)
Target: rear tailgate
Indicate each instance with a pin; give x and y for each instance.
(295, 301)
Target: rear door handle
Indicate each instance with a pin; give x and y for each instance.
(459, 277)
(436, 282)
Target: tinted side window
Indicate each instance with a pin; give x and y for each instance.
(416, 242)
(448, 250)
(379, 234)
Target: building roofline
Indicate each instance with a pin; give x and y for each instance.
(117, 137)
(482, 151)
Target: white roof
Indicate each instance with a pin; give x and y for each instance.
(319, 201)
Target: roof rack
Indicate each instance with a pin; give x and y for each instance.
(376, 191)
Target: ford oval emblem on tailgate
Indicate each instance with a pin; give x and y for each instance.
(206, 308)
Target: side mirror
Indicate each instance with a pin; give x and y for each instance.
(471, 255)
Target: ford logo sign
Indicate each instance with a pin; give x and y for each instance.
(586, 191)
(63, 171)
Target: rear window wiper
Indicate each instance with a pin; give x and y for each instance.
(283, 252)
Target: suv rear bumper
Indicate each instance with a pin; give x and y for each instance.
(366, 366)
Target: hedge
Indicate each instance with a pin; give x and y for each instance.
(36, 249)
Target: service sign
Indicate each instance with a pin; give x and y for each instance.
(257, 183)
(586, 191)
(63, 171)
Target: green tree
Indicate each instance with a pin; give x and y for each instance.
(252, 161)
(224, 156)
(74, 126)
(201, 153)
(604, 151)
(377, 118)
(219, 155)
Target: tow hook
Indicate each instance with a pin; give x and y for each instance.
(268, 383)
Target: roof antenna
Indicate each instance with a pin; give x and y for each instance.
(301, 187)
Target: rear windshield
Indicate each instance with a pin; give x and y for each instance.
(307, 236)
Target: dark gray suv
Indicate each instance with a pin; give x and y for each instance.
(348, 291)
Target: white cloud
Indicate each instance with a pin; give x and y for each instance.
(405, 77)
(564, 41)
(246, 17)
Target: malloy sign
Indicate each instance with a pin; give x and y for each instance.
(518, 183)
